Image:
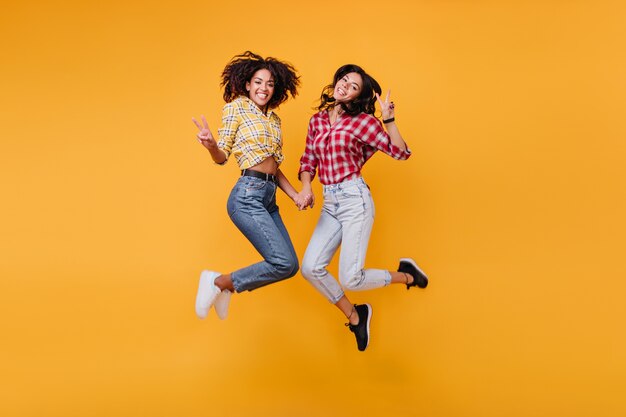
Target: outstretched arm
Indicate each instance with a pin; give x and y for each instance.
(285, 185)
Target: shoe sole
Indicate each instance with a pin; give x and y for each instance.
(221, 304)
(206, 280)
(369, 317)
(412, 262)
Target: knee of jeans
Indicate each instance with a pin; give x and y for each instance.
(288, 268)
(295, 267)
(350, 280)
(309, 270)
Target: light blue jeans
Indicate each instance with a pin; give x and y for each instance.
(252, 207)
(347, 219)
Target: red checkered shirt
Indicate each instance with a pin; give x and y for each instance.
(340, 151)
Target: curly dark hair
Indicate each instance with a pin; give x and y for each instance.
(364, 103)
(242, 67)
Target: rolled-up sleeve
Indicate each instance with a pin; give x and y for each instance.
(375, 135)
(228, 130)
(308, 161)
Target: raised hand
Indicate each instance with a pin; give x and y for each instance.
(205, 137)
(386, 107)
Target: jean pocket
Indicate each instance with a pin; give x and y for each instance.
(254, 184)
(351, 192)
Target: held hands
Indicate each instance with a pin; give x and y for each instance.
(205, 137)
(386, 107)
(304, 199)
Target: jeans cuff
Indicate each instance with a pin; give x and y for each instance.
(336, 299)
(387, 278)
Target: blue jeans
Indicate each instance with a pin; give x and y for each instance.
(252, 207)
(347, 218)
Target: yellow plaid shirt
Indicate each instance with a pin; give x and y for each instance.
(248, 134)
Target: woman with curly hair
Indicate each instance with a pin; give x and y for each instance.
(251, 131)
(342, 136)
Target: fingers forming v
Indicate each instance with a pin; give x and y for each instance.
(379, 100)
(198, 125)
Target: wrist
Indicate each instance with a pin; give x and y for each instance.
(389, 120)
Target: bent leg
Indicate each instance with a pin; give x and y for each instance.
(322, 246)
(249, 208)
(357, 220)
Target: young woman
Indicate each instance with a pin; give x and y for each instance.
(341, 137)
(251, 132)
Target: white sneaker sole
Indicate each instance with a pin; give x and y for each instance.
(207, 293)
(221, 304)
(412, 262)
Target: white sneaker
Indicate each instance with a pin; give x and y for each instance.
(221, 304)
(207, 293)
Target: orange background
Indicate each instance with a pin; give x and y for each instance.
(513, 202)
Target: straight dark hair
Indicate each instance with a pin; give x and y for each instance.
(364, 103)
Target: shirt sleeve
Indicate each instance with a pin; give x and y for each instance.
(375, 135)
(226, 133)
(308, 161)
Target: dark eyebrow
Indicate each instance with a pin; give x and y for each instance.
(352, 82)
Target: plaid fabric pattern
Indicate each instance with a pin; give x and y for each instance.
(340, 151)
(248, 134)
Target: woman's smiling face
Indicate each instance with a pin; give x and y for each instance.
(348, 87)
(261, 87)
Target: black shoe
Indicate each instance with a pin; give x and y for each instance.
(409, 266)
(362, 330)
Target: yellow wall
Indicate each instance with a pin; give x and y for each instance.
(513, 202)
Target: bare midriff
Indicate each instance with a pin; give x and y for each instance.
(268, 166)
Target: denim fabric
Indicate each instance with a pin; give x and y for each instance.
(252, 207)
(347, 218)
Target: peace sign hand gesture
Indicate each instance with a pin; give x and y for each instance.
(386, 107)
(205, 137)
